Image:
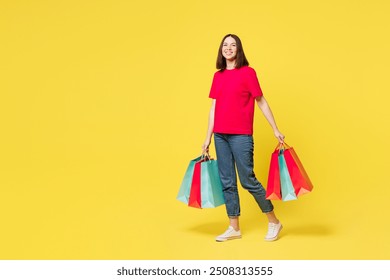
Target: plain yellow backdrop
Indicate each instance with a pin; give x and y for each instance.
(104, 103)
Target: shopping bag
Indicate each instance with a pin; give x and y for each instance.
(201, 186)
(211, 185)
(273, 184)
(298, 175)
(288, 191)
(194, 199)
(185, 187)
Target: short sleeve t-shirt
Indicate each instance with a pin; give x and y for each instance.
(235, 91)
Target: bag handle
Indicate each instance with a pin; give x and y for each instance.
(287, 145)
(205, 157)
(279, 147)
(282, 146)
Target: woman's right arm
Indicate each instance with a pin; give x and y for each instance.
(207, 141)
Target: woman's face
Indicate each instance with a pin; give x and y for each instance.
(229, 49)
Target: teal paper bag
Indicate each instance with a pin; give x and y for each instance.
(185, 187)
(211, 185)
(287, 188)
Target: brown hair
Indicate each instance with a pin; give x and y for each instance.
(240, 57)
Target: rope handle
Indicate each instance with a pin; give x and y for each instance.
(205, 157)
(282, 146)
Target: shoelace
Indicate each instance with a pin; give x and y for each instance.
(229, 230)
(272, 228)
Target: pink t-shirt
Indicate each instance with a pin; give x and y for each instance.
(235, 92)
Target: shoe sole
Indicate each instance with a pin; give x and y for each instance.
(229, 238)
(276, 237)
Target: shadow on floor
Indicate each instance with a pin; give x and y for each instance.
(300, 230)
(209, 228)
(308, 230)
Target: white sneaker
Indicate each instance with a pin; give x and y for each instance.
(229, 234)
(273, 231)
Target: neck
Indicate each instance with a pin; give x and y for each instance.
(230, 64)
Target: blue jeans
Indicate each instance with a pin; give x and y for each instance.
(237, 150)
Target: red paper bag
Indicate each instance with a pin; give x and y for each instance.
(273, 184)
(299, 177)
(195, 199)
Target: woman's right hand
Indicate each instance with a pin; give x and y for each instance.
(205, 146)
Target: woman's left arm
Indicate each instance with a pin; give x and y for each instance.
(264, 107)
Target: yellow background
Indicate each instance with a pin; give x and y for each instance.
(104, 103)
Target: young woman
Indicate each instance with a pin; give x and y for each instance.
(234, 92)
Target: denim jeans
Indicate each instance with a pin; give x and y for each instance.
(233, 151)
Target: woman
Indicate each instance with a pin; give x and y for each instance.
(234, 91)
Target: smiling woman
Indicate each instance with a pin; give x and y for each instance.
(231, 53)
(234, 90)
(102, 103)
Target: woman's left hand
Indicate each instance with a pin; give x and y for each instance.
(279, 136)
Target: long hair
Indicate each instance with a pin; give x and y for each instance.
(240, 57)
